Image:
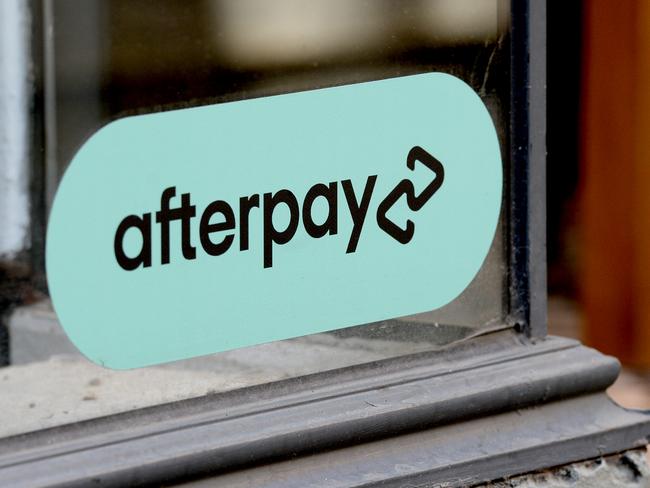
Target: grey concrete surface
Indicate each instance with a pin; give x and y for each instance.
(626, 470)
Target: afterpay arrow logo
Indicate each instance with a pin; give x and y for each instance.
(415, 202)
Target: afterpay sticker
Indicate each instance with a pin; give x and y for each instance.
(185, 233)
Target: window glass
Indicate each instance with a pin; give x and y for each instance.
(108, 59)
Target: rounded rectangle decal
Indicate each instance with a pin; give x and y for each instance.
(194, 231)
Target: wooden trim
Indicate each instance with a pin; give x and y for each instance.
(615, 188)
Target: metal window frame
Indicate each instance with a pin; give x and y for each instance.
(504, 403)
(527, 219)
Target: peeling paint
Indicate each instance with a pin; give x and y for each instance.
(14, 127)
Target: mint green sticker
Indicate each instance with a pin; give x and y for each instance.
(190, 232)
